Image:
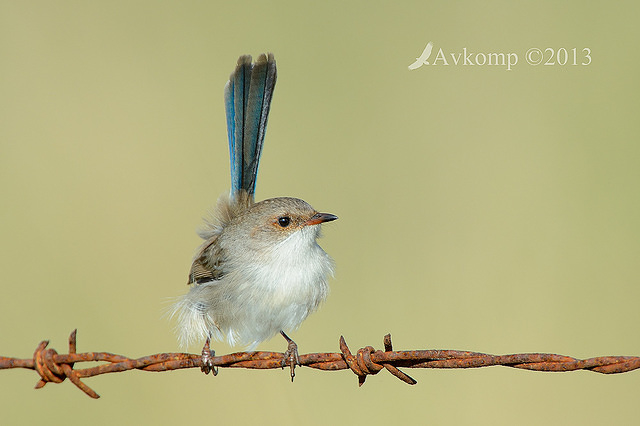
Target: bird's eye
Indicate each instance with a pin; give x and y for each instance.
(284, 221)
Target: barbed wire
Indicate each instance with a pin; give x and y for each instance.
(55, 368)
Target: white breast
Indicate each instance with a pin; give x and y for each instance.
(279, 291)
(260, 295)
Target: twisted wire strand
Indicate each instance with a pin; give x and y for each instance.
(53, 367)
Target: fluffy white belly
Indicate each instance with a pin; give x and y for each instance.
(256, 300)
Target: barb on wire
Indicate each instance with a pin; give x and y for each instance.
(55, 368)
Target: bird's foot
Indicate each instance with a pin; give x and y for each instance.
(290, 357)
(207, 360)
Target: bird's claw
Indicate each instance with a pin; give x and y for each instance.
(290, 357)
(207, 360)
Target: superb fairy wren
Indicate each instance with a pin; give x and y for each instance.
(260, 270)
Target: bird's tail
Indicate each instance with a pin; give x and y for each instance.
(247, 97)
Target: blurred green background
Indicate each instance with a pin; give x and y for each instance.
(480, 209)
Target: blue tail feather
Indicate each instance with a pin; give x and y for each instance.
(247, 100)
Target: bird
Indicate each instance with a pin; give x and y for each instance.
(422, 59)
(260, 270)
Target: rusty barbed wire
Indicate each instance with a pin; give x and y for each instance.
(55, 368)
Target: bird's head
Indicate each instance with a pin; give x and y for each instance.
(273, 221)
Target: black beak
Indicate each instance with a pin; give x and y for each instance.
(320, 218)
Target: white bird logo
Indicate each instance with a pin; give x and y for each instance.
(422, 60)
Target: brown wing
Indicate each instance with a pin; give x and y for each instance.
(207, 265)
